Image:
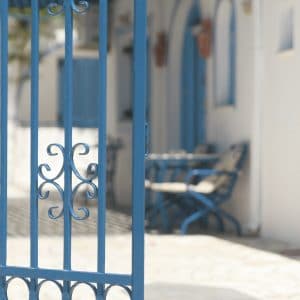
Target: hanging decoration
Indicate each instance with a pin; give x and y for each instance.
(247, 7)
(204, 38)
(161, 49)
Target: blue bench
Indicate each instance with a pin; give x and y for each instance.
(203, 192)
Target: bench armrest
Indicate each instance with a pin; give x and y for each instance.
(200, 173)
(207, 172)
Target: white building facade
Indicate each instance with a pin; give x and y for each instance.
(243, 88)
(249, 89)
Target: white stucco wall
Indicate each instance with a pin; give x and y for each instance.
(225, 125)
(232, 124)
(281, 127)
(159, 17)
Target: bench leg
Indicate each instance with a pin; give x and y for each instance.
(233, 220)
(192, 218)
(163, 213)
(220, 221)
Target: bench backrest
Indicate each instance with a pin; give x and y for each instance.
(230, 161)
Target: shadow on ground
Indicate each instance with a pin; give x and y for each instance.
(190, 292)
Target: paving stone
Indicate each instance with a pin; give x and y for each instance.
(117, 221)
(195, 267)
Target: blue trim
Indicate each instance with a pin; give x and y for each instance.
(86, 76)
(232, 55)
(193, 87)
(68, 122)
(102, 137)
(34, 224)
(42, 3)
(99, 282)
(138, 147)
(148, 100)
(3, 142)
(67, 275)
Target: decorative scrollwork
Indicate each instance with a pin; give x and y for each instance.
(41, 282)
(124, 287)
(91, 193)
(77, 284)
(92, 190)
(58, 284)
(43, 168)
(48, 180)
(43, 195)
(57, 7)
(25, 280)
(91, 168)
(81, 7)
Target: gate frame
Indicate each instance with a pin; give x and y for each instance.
(34, 276)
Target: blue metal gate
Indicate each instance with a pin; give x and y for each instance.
(66, 278)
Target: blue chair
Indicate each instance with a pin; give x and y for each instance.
(203, 192)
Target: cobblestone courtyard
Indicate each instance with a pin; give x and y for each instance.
(195, 267)
(118, 221)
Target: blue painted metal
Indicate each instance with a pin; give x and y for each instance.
(42, 3)
(86, 76)
(102, 150)
(68, 115)
(231, 78)
(159, 167)
(3, 154)
(233, 54)
(138, 153)
(66, 279)
(34, 145)
(193, 87)
(148, 102)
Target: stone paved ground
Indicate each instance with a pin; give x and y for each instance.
(196, 267)
(118, 221)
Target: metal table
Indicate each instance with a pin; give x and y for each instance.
(157, 167)
(165, 161)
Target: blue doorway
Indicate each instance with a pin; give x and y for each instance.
(193, 88)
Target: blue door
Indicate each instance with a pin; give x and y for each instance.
(85, 92)
(193, 88)
(66, 278)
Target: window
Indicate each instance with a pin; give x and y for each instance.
(225, 52)
(85, 92)
(286, 34)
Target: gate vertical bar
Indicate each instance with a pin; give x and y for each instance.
(34, 143)
(138, 146)
(3, 154)
(68, 113)
(103, 24)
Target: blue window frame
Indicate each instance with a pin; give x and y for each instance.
(85, 91)
(225, 53)
(286, 37)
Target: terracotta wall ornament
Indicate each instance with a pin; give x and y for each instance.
(161, 49)
(247, 7)
(204, 38)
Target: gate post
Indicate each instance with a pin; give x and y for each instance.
(138, 147)
(3, 143)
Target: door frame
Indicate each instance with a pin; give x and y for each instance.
(192, 129)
